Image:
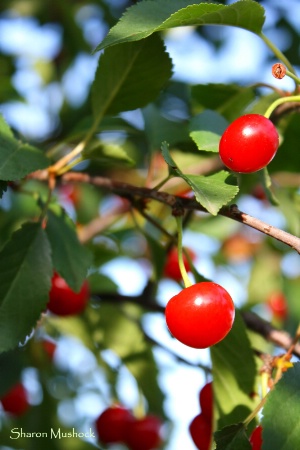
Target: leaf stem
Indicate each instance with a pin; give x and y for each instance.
(162, 182)
(186, 280)
(280, 101)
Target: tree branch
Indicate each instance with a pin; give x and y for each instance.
(127, 190)
(271, 334)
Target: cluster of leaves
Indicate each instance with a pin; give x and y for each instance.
(38, 236)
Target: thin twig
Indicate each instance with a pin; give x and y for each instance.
(232, 212)
(277, 337)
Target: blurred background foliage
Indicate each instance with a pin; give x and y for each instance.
(123, 353)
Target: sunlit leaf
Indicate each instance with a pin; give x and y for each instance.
(206, 130)
(147, 17)
(213, 191)
(234, 373)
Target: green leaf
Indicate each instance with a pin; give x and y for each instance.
(25, 279)
(130, 76)
(98, 282)
(70, 258)
(147, 17)
(232, 437)
(3, 188)
(17, 159)
(229, 99)
(234, 372)
(11, 367)
(158, 128)
(108, 154)
(206, 129)
(5, 129)
(280, 423)
(213, 191)
(167, 156)
(286, 156)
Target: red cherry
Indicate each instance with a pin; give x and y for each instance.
(278, 305)
(172, 269)
(112, 423)
(200, 315)
(206, 401)
(65, 302)
(201, 432)
(249, 143)
(144, 433)
(15, 401)
(256, 438)
(49, 348)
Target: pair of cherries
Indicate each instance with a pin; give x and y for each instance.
(201, 426)
(117, 424)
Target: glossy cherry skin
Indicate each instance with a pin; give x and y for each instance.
(249, 143)
(201, 432)
(200, 315)
(144, 433)
(15, 401)
(278, 305)
(172, 269)
(256, 438)
(206, 401)
(112, 423)
(63, 301)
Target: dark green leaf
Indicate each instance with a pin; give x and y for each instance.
(70, 258)
(206, 129)
(3, 188)
(167, 156)
(230, 100)
(25, 279)
(147, 17)
(158, 128)
(232, 437)
(17, 159)
(286, 158)
(101, 283)
(280, 423)
(213, 191)
(11, 368)
(130, 76)
(234, 373)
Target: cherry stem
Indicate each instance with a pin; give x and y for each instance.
(277, 52)
(280, 101)
(187, 282)
(256, 410)
(293, 76)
